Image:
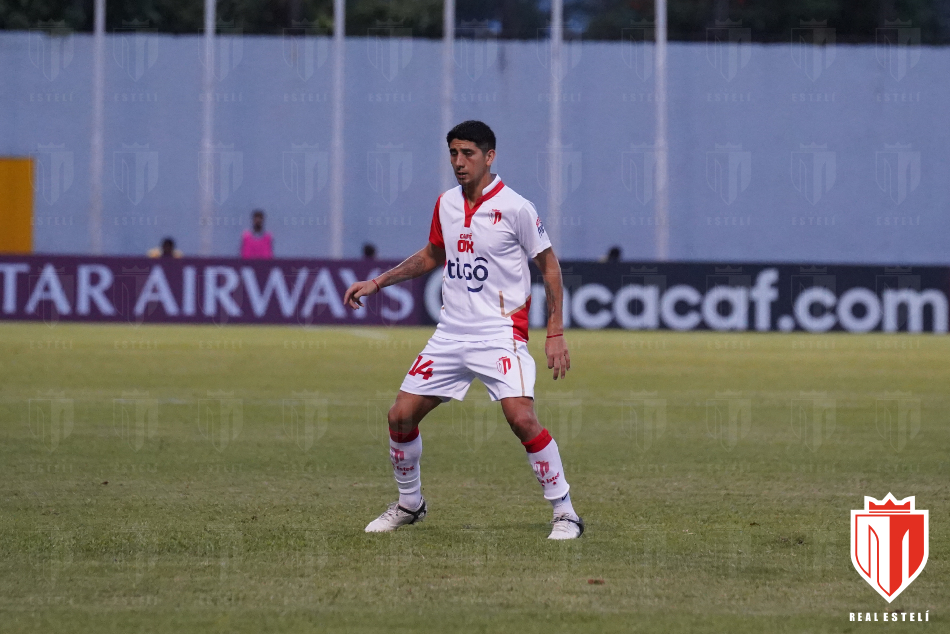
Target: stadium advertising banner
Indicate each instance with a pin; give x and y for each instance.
(748, 297)
(633, 296)
(197, 290)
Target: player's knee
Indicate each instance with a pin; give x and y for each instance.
(522, 421)
(399, 418)
(394, 417)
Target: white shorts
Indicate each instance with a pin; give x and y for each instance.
(446, 369)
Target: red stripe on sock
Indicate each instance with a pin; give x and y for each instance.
(401, 437)
(539, 442)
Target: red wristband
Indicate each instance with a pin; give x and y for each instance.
(377, 285)
(557, 335)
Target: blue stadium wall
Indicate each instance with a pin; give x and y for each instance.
(777, 153)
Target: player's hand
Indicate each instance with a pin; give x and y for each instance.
(352, 295)
(559, 359)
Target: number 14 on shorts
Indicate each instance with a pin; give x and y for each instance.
(419, 368)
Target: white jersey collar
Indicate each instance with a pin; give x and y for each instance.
(490, 186)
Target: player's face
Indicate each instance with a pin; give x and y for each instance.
(469, 162)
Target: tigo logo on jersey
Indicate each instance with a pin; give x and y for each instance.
(495, 216)
(503, 364)
(478, 272)
(890, 542)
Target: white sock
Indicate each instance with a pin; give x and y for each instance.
(545, 459)
(405, 457)
(563, 506)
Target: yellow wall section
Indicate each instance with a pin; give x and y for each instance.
(16, 205)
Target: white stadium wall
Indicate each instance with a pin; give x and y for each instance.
(777, 152)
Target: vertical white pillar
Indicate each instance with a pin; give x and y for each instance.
(448, 86)
(97, 152)
(556, 150)
(337, 155)
(661, 211)
(208, 181)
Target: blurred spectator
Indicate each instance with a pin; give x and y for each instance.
(369, 251)
(613, 255)
(257, 244)
(167, 250)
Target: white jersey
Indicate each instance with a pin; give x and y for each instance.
(486, 284)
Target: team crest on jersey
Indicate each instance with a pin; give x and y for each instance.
(540, 226)
(495, 216)
(890, 542)
(503, 364)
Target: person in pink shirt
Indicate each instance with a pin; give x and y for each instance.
(257, 244)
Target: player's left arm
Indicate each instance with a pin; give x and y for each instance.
(555, 347)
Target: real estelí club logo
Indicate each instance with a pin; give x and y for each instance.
(890, 543)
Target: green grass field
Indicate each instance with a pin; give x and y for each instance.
(204, 479)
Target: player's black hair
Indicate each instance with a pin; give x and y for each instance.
(258, 212)
(476, 132)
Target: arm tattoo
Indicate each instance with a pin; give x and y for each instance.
(553, 289)
(550, 297)
(554, 295)
(412, 267)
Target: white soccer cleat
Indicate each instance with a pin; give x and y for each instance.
(396, 516)
(565, 527)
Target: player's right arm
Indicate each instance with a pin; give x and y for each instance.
(426, 259)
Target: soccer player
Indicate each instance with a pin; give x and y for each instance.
(483, 233)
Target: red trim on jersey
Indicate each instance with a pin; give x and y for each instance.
(519, 322)
(435, 230)
(469, 212)
(539, 442)
(400, 437)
